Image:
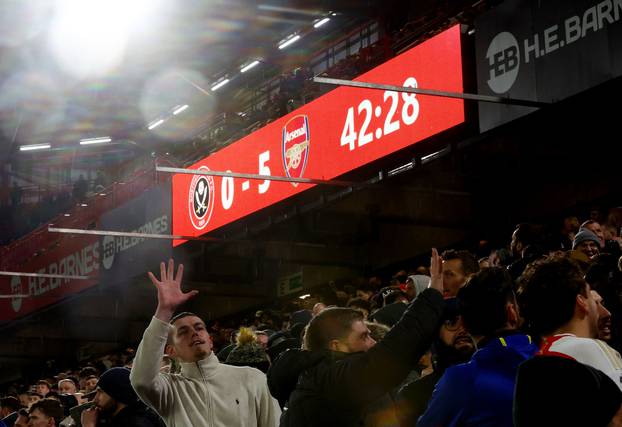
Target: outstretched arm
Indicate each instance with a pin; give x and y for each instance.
(170, 295)
(152, 386)
(436, 271)
(385, 365)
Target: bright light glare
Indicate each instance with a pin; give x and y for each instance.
(318, 24)
(305, 296)
(220, 84)
(90, 141)
(289, 42)
(249, 66)
(34, 147)
(155, 124)
(180, 109)
(88, 37)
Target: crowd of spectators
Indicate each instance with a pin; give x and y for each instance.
(503, 340)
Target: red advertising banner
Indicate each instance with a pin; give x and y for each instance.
(337, 133)
(73, 256)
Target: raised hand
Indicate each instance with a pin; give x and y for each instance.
(436, 271)
(170, 295)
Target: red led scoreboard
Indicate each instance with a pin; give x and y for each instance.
(338, 132)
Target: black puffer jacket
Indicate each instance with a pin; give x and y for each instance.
(333, 389)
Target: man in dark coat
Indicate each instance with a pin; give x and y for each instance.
(116, 400)
(341, 370)
(453, 346)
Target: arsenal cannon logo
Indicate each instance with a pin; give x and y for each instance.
(295, 147)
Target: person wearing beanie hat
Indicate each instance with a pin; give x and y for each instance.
(116, 400)
(587, 242)
(248, 352)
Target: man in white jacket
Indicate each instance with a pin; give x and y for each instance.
(206, 392)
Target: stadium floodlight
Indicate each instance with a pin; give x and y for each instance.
(155, 124)
(180, 109)
(89, 37)
(32, 147)
(321, 22)
(249, 66)
(220, 84)
(289, 42)
(90, 141)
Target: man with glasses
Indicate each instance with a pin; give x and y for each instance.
(480, 392)
(453, 346)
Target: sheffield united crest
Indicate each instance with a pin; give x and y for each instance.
(201, 199)
(295, 148)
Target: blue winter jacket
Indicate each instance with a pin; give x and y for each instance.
(480, 392)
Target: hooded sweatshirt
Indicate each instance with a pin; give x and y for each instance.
(480, 392)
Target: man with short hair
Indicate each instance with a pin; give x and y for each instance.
(573, 368)
(117, 402)
(8, 410)
(43, 387)
(87, 372)
(480, 392)
(342, 371)
(560, 306)
(458, 266)
(45, 413)
(524, 235)
(206, 392)
(90, 383)
(262, 339)
(33, 397)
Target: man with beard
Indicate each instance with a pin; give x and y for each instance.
(117, 402)
(453, 346)
(480, 393)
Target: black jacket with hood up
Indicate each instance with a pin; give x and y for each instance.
(327, 388)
